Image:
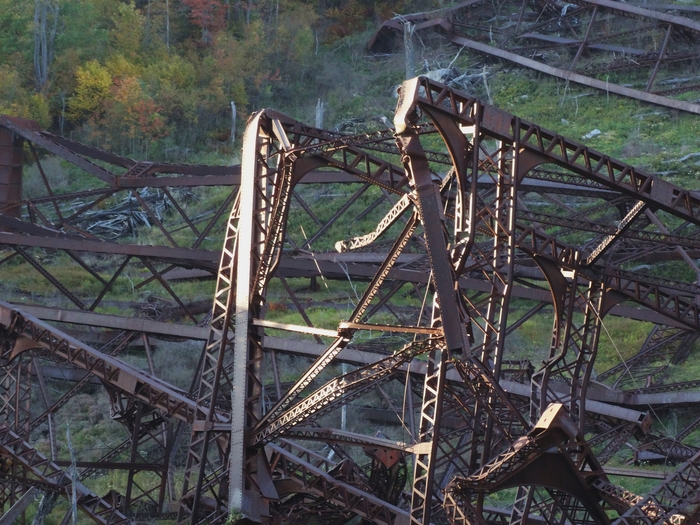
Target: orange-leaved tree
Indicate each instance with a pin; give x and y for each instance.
(209, 15)
(132, 118)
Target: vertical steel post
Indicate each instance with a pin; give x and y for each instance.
(239, 499)
(10, 172)
(456, 342)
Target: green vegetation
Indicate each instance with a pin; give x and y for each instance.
(155, 79)
(646, 136)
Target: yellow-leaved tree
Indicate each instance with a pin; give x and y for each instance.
(132, 118)
(92, 89)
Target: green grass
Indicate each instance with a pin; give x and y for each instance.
(620, 339)
(646, 136)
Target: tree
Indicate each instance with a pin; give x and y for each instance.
(127, 34)
(15, 34)
(209, 15)
(45, 14)
(17, 101)
(93, 83)
(131, 119)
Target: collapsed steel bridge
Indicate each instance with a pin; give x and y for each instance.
(585, 42)
(454, 232)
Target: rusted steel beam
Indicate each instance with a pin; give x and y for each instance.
(520, 458)
(598, 401)
(308, 267)
(29, 131)
(340, 390)
(10, 172)
(150, 175)
(317, 480)
(634, 473)
(13, 514)
(48, 472)
(484, 248)
(344, 437)
(203, 258)
(343, 338)
(447, 22)
(33, 333)
(547, 146)
(674, 500)
(111, 465)
(692, 243)
(636, 11)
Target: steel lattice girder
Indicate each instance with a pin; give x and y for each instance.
(275, 129)
(482, 236)
(49, 473)
(543, 36)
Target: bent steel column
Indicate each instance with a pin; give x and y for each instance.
(10, 173)
(429, 204)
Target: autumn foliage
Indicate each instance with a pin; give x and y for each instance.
(209, 15)
(156, 78)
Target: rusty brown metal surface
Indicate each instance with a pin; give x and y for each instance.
(450, 256)
(573, 42)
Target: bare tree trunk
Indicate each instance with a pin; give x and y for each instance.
(233, 122)
(39, 44)
(167, 25)
(74, 478)
(207, 37)
(46, 505)
(486, 85)
(43, 42)
(408, 29)
(149, 27)
(62, 118)
(319, 114)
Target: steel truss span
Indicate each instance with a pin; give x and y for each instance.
(574, 42)
(419, 325)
